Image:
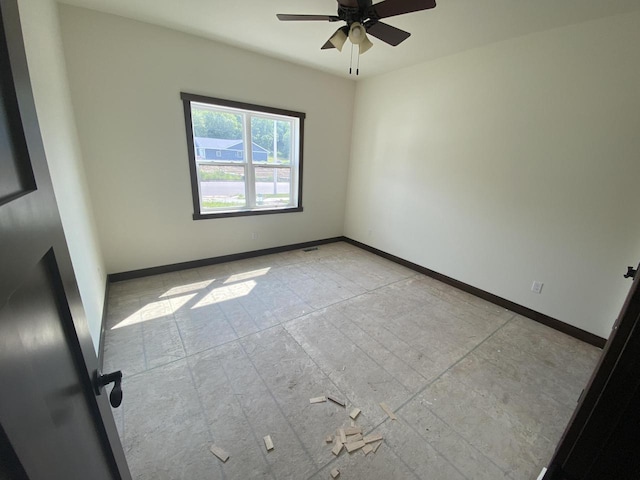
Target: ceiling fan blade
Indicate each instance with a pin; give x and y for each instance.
(285, 17)
(327, 45)
(391, 35)
(390, 8)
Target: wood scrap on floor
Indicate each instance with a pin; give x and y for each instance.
(343, 436)
(352, 447)
(352, 430)
(337, 447)
(376, 446)
(337, 400)
(388, 411)
(373, 437)
(335, 473)
(268, 443)
(328, 439)
(367, 449)
(354, 438)
(318, 400)
(354, 413)
(220, 453)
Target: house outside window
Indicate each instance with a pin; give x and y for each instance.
(249, 158)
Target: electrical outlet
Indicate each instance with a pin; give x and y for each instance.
(537, 287)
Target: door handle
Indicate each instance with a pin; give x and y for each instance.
(631, 272)
(100, 381)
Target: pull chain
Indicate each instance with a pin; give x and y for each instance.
(351, 59)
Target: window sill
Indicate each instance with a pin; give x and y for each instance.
(245, 213)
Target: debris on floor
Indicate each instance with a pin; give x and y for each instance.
(337, 448)
(372, 438)
(351, 438)
(388, 411)
(220, 453)
(353, 446)
(352, 430)
(268, 443)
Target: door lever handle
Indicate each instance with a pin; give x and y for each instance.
(100, 381)
(631, 272)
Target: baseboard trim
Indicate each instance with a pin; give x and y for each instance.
(145, 272)
(556, 324)
(103, 326)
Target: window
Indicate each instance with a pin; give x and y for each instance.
(257, 168)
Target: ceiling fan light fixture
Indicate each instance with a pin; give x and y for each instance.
(338, 39)
(357, 33)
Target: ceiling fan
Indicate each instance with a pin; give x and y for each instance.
(362, 17)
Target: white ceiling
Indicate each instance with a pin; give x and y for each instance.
(453, 26)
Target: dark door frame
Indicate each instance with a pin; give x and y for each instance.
(602, 439)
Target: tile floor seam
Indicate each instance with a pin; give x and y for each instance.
(397, 410)
(273, 397)
(256, 438)
(374, 360)
(202, 412)
(516, 418)
(436, 450)
(470, 441)
(459, 360)
(253, 320)
(391, 332)
(528, 354)
(144, 348)
(453, 430)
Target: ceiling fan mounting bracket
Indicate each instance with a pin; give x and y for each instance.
(354, 14)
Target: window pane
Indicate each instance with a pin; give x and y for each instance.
(273, 186)
(271, 140)
(221, 187)
(217, 135)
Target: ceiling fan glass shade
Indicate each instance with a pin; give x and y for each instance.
(365, 45)
(338, 39)
(357, 33)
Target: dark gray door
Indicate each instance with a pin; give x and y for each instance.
(602, 441)
(52, 424)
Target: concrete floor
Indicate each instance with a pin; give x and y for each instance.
(227, 354)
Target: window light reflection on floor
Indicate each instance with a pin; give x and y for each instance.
(177, 297)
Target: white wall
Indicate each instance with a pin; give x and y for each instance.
(43, 45)
(510, 163)
(126, 78)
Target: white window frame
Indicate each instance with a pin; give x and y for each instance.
(246, 111)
